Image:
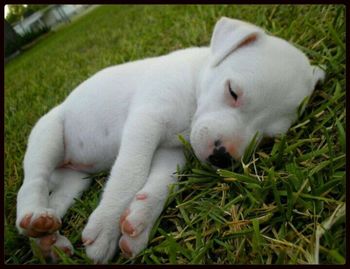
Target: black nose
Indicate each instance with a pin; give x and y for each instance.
(220, 158)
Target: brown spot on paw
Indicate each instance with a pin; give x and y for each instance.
(125, 248)
(67, 250)
(45, 244)
(46, 224)
(32, 233)
(26, 221)
(48, 240)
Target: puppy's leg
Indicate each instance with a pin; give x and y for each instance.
(139, 218)
(44, 152)
(141, 137)
(65, 185)
(47, 243)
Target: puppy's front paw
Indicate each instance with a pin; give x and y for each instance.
(138, 215)
(39, 222)
(135, 223)
(132, 246)
(47, 243)
(100, 237)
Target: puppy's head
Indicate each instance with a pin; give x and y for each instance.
(253, 82)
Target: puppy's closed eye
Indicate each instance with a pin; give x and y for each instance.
(233, 94)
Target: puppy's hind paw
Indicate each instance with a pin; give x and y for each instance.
(48, 243)
(39, 223)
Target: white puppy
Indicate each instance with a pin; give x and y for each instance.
(127, 117)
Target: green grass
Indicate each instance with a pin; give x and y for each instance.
(269, 209)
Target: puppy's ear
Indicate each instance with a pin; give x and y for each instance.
(318, 75)
(229, 35)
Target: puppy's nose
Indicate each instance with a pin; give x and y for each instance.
(220, 158)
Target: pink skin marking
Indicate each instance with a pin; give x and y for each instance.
(128, 228)
(141, 196)
(232, 147)
(75, 166)
(123, 216)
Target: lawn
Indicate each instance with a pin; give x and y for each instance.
(283, 204)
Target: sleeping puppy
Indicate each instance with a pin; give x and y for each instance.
(126, 118)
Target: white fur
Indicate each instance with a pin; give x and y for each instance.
(127, 117)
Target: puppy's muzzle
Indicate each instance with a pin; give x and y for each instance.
(220, 157)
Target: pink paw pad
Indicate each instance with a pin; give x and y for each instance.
(128, 228)
(42, 225)
(123, 216)
(26, 221)
(125, 248)
(46, 242)
(125, 225)
(141, 196)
